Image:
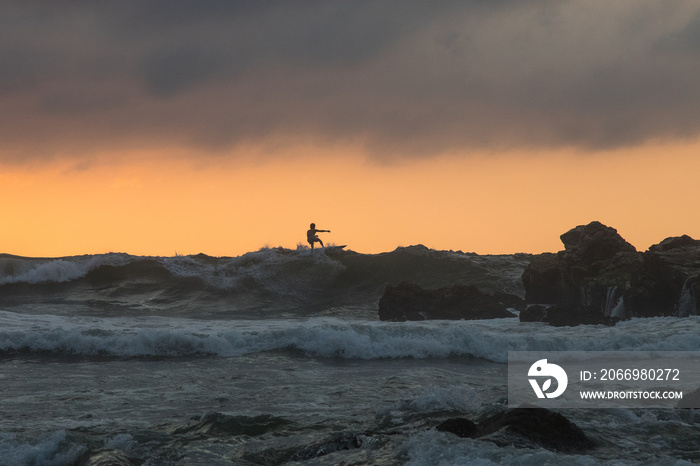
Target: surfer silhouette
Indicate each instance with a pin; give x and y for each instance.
(312, 237)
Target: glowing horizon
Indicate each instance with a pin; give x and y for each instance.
(512, 203)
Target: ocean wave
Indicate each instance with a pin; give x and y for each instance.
(317, 277)
(14, 269)
(331, 338)
(454, 398)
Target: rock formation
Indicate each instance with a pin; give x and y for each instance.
(601, 277)
(408, 301)
(524, 427)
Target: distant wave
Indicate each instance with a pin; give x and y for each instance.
(15, 269)
(328, 277)
(327, 337)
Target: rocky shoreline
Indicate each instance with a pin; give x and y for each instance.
(599, 278)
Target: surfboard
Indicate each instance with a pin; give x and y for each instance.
(335, 247)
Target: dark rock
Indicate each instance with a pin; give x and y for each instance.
(459, 426)
(571, 316)
(599, 278)
(408, 301)
(543, 279)
(541, 426)
(667, 282)
(690, 298)
(337, 442)
(675, 242)
(594, 242)
(656, 287)
(527, 427)
(509, 300)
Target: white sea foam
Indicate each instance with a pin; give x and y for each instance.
(269, 269)
(458, 398)
(53, 450)
(455, 398)
(35, 271)
(328, 337)
(124, 442)
(54, 271)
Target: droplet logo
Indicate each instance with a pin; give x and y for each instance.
(542, 369)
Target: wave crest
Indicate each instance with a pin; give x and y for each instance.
(328, 337)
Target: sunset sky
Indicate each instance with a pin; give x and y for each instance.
(221, 127)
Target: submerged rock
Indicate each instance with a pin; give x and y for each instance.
(523, 427)
(459, 426)
(408, 301)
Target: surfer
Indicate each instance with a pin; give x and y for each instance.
(312, 237)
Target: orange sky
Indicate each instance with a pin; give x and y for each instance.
(162, 127)
(488, 204)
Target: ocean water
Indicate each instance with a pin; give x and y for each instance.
(277, 356)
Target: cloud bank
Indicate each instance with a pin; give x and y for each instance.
(399, 77)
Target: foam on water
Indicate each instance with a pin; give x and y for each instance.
(36, 271)
(282, 272)
(330, 337)
(431, 399)
(53, 450)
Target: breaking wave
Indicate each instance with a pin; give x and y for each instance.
(266, 278)
(330, 337)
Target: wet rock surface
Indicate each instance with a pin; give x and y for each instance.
(600, 278)
(408, 301)
(525, 427)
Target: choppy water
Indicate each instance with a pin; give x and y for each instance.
(277, 356)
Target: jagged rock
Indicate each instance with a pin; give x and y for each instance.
(594, 242)
(675, 242)
(600, 273)
(667, 281)
(408, 301)
(527, 427)
(596, 258)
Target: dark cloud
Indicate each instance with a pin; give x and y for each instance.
(402, 77)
